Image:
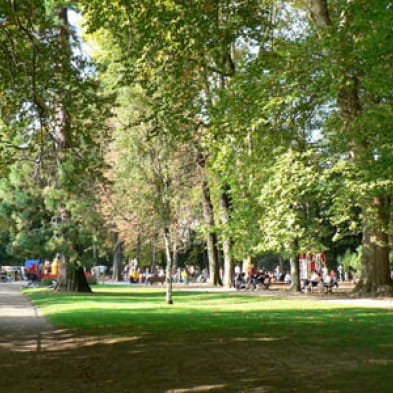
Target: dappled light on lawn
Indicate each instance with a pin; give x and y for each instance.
(197, 389)
(259, 339)
(216, 342)
(59, 340)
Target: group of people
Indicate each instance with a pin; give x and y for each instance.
(263, 278)
(320, 278)
(136, 275)
(252, 279)
(248, 280)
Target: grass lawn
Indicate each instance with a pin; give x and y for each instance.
(126, 339)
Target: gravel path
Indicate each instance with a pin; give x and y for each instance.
(359, 302)
(338, 298)
(17, 314)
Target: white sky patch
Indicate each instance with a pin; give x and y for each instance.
(76, 21)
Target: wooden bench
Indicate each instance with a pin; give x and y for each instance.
(328, 286)
(155, 279)
(320, 286)
(265, 284)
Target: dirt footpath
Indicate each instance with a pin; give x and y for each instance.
(17, 314)
(22, 326)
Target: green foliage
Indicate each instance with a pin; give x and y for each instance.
(48, 194)
(293, 206)
(292, 120)
(351, 259)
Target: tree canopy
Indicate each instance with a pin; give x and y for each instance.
(257, 125)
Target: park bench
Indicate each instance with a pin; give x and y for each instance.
(155, 279)
(260, 284)
(328, 286)
(321, 286)
(263, 284)
(314, 285)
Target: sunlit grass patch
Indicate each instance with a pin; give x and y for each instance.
(227, 336)
(145, 309)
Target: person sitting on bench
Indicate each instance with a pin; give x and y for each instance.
(313, 282)
(262, 277)
(240, 281)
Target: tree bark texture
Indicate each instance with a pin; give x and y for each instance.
(294, 264)
(153, 262)
(375, 276)
(174, 250)
(72, 277)
(117, 255)
(71, 274)
(138, 248)
(167, 243)
(247, 261)
(211, 235)
(226, 240)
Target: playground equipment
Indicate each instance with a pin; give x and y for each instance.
(310, 262)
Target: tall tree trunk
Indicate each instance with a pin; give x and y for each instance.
(208, 217)
(94, 245)
(138, 248)
(153, 262)
(281, 263)
(62, 117)
(375, 276)
(71, 274)
(226, 240)
(117, 255)
(72, 277)
(294, 263)
(174, 250)
(167, 243)
(247, 260)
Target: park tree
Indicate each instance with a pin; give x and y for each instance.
(184, 55)
(354, 40)
(22, 208)
(154, 171)
(50, 120)
(295, 207)
(326, 83)
(255, 92)
(148, 165)
(266, 109)
(137, 130)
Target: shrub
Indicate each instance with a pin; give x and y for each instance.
(351, 260)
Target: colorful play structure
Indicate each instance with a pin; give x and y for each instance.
(310, 262)
(41, 269)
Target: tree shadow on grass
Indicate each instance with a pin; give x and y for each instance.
(344, 323)
(260, 352)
